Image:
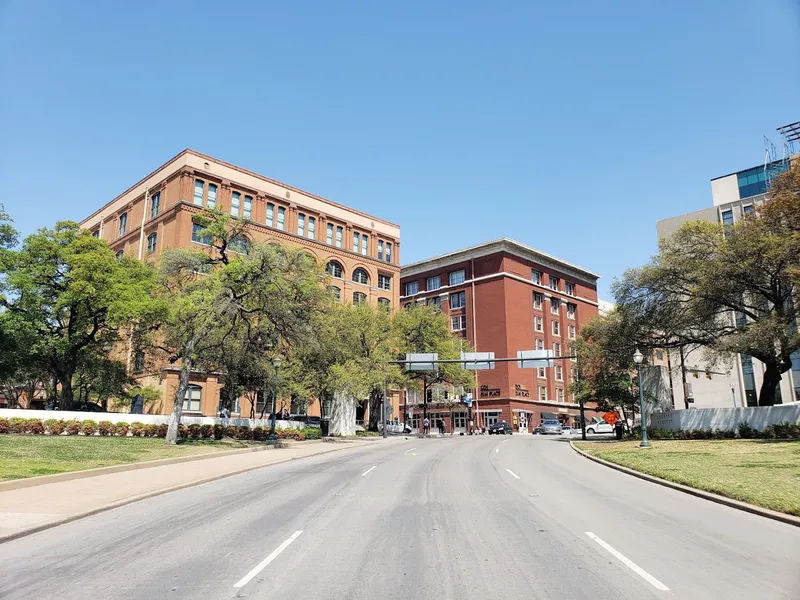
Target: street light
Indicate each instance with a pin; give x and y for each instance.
(276, 362)
(638, 358)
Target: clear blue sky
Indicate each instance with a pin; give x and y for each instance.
(572, 126)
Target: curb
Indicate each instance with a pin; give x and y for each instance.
(151, 494)
(738, 504)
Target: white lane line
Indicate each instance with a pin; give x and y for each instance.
(368, 470)
(496, 450)
(630, 564)
(514, 475)
(410, 450)
(260, 566)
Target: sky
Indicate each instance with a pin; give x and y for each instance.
(570, 126)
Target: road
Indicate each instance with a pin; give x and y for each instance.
(453, 518)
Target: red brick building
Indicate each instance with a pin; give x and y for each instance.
(504, 296)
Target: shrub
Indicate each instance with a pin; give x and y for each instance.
(243, 433)
(312, 433)
(73, 427)
(105, 428)
(48, 425)
(219, 432)
(18, 425)
(88, 427)
(206, 431)
(151, 430)
(56, 427)
(36, 426)
(137, 429)
(183, 431)
(162, 430)
(745, 431)
(231, 431)
(5, 426)
(194, 431)
(368, 433)
(121, 429)
(259, 434)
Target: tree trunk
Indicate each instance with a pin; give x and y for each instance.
(343, 415)
(177, 407)
(375, 400)
(67, 393)
(772, 378)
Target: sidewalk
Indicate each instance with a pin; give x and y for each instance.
(30, 509)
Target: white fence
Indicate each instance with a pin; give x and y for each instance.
(726, 419)
(66, 415)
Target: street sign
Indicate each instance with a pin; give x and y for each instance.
(422, 362)
(532, 359)
(477, 361)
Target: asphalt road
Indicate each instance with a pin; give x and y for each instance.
(458, 518)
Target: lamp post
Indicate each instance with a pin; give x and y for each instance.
(638, 358)
(276, 362)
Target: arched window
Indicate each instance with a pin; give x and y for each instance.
(359, 298)
(334, 269)
(384, 303)
(239, 244)
(360, 276)
(335, 292)
(192, 400)
(120, 254)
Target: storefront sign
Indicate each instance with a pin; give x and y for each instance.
(487, 392)
(520, 390)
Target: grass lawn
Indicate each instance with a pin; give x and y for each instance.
(762, 472)
(29, 455)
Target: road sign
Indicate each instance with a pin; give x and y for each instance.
(532, 359)
(477, 361)
(422, 362)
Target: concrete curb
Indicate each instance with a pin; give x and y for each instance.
(751, 508)
(16, 484)
(151, 494)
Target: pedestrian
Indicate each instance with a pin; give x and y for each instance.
(426, 426)
(440, 425)
(619, 428)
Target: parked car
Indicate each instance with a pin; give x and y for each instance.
(599, 426)
(395, 427)
(501, 428)
(538, 429)
(551, 426)
(567, 430)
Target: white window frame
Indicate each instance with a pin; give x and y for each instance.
(356, 240)
(463, 322)
(453, 277)
(388, 252)
(571, 332)
(556, 328)
(366, 276)
(541, 373)
(536, 277)
(336, 291)
(337, 264)
(560, 396)
(199, 185)
(553, 281)
(247, 211)
(155, 205)
(538, 344)
(384, 278)
(236, 200)
(380, 249)
(211, 202)
(359, 298)
(364, 244)
(538, 323)
(270, 214)
(538, 299)
(542, 393)
(152, 240)
(312, 228)
(339, 236)
(559, 371)
(194, 394)
(301, 224)
(411, 288)
(555, 305)
(436, 279)
(281, 218)
(571, 308)
(329, 234)
(556, 348)
(569, 288)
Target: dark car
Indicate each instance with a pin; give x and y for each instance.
(501, 428)
(88, 407)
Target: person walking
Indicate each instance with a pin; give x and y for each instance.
(426, 426)
(619, 428)
(440, 426)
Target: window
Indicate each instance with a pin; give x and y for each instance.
(560, 394)
(239, 244)
(155, 204)
(659, 355)
(338, 237)
(388, 252)
(457, 277)
(559, 372)
(569, 288)
(543, 393)
(537, 300)
(384, 281)
(334, 269)
(356, 239)
(536, 277)
(556, 328)
(248, 207)
(727, 217)
(360, 276)
(458, 300)
(335, 292)
(539, 344)
(748, 210)
(212, 196)
(435, 302)
(198, 191)
(123, 224)
(191, 402)
(571, 311)
(458, 322)
(554, 281)
(538, 323)
(571, 332)
(281, 218)
(312, 228)
(119, 255)
(151, 243)
(359, 298)
(573, 374)
(754, 181)
(554, 304)
(301, 225)
(380, 249)
(364, 244)
(384, 303)
(412, 287)
(541, 373)
(433, 283)
(96, 233)
(463, 322)
(197, 236)
(556, 349)
(236, 199)
(271, 214)
(329, 234)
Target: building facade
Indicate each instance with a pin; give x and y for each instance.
(361, 253)
(696, 381)
(502, 297)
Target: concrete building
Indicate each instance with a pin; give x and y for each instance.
(361, 252)
(736, 380)
(504, 296)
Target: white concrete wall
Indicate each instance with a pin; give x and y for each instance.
(727, 419)
(9, 413)
(725, 189)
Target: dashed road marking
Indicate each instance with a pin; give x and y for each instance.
(370, 469)
(260, 566)
(629, 563)
(514, 475)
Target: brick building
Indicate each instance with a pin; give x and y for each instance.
(361, 252)
(503, 296)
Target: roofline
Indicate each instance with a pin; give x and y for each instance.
(241, 170)
(499, 245)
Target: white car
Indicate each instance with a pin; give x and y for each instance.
(567, 430)
(601, 427)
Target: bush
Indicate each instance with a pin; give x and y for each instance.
(162, 430)
(206, 431)
(243, 433)
(56, 427)
(312, 433)
(219, 432)
(73, 427)
(368, 433)
(5, 426)
(88, 427)
(137, 429)
(18, 425)
(259, 434)
(183, 431)
(231, 431)
(745, 431)
(105, 428)
(36, 426)
(193, 431)
(48, 425)
(121, 429)
(151, 430)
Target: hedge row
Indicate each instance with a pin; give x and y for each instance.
(779, 431)
(136, 429)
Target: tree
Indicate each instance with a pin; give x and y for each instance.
(422, 329)
(69, 292)
(730, 289)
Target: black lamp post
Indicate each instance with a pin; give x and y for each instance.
(638, 358)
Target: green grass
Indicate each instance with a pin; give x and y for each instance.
(29, 456)
(762, 472)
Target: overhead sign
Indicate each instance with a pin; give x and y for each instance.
(477, 361)
(533, 359)
(422, 362)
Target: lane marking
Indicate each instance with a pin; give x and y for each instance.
(370, 469)
(260, 566)
(497, 450)
(410, 450)
(630, 564)
(514, 475)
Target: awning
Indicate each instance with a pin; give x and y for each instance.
(548, 415)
